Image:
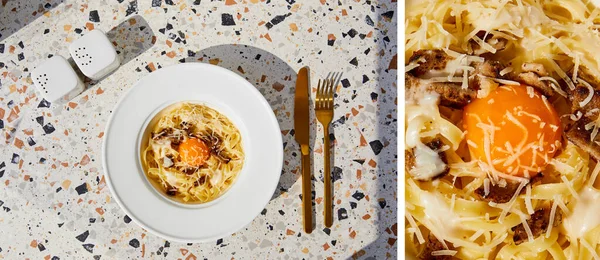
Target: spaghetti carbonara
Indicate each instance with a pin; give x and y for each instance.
(502, 120)
(193, 154)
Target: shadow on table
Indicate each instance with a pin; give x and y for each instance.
(276, 81)
(22, 13)
(385, 35)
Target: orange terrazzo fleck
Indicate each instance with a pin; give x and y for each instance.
(353, 234)
(169, 43)
(67, 27)
(358, 175)
(230, 2)
(191, 257)
(100, 211)
(18, 143)
(89, 26)
(66, 184)
(183, 251)
(151, 66)
(305, 250)
(99, 91)
(290, 232)
(72, 104)
(33, 243)
(171, 54)
(268, 37)
(372, 163)
(85, 160)
(366, 216)
(293, 27)
(326, 246)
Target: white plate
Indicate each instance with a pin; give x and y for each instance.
(229, 94)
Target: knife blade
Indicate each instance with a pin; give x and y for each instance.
(302, 135)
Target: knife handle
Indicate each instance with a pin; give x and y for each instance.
(306, 190)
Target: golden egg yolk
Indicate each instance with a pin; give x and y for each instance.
(514, 129)
(193, 152)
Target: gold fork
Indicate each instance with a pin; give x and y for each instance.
(324, 111)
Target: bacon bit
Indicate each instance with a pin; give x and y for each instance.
(85, 160)
(99, 91)
(18, 143)
(89, 26)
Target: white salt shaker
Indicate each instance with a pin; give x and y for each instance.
(94, 54)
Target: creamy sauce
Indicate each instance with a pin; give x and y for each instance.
(585, 213)
(440, 214)
(428, 163)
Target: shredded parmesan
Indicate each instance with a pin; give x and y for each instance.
(561, 73)
(555, 86)
(486, 186)
(552, 217)
(527, 228)
(506, 71)
(443, 252)
(569, 186)
(528, 200)
(507, 82)
(590, 93)
(413, 224)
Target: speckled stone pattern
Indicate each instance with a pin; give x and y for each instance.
(54, 202)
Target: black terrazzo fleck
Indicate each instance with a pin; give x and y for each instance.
(48, 128)
(167, 244)
(388, 15)
(376, 146)
(2, 173)
(55, 258)
(169, 26)
(44, 103)
(281, 212)
(342, 214)
(21, 44)
(219, 241)
(1, 47)
(361, 161)
(94, 17)
(327, 231)
(46, 31)
(374, 96)
(127, 219)
(40, 120)
(367, 51)
(15, 158)
(337, 173)
(1, 124)
(353, 205)
(89, 247)
(333, 242)
(42, 160)
(169, 2)
(131, 8)
(134, 243)
(365, 79)
(41, 247)
(263, 212)
(346, 83)
(97, 257)
(369, 21)
(358, 195)
(156, 3)
(352, 33)
(382, 203)
(82, 189)
(227, 20)
(92, 220)
(196, 2)
(83, 236)
(276, 20)
(78, 30)
(30, 141)
(354, 61)
(1, 203)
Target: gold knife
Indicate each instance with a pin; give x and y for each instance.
(302, 134)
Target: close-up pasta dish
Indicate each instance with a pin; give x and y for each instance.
(193, 154)
(502, 116)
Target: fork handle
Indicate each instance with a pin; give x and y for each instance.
(328, 209)
(306, 190)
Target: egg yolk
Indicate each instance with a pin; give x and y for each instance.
(193, 152)
(514, 129)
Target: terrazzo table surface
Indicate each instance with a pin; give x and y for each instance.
(54, 202)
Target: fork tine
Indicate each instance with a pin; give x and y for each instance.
(319, 94)
(330, 94)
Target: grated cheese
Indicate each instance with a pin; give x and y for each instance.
(506, 71)
(507, 82)
(561, 73)
(476, 235)
(443, 252)
(590, 93)
(569, 186)
(528, 200)
(594, 175)
(413, 224)
(486, 186)
(527, 228)
(554, 85)
(552, 216)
